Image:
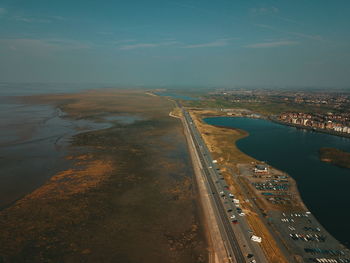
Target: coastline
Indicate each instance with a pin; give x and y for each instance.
(298, 126)
(80, 212)
(205, 114)
(247, 134)
(218, 141)
(294, 183)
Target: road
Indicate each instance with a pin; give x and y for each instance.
(236, 237)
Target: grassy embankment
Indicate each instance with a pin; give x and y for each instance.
(264, 107)
(335, 156)
(128, 198)
(221, 143)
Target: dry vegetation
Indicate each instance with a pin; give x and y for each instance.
(221, 143)
(128, 198)
(335, 156)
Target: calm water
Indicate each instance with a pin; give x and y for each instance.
(23, 89)
(324, 188)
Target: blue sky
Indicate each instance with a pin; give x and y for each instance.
(171, 42)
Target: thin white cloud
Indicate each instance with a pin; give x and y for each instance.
(62, 18)
(30, 19)
(216, 43)
(302, 35)
(67, 43)
(265, 10)
(123, 41)
(106, 33)
(289, 20)
(42, 45)
(140, 45)
(2, 11)
(272, 44)
(147, 45)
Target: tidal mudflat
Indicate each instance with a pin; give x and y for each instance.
(34, 140)
(125, 195)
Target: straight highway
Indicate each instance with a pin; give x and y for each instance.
(233, 228)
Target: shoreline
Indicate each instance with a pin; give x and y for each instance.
(80, 213)
(294, 180)
(213, 136)
(202, 114)
(298, 126)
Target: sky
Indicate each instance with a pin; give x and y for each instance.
(177, 42)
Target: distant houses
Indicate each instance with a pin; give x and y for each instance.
(338, 123)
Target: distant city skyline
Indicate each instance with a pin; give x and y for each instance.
(164, 43)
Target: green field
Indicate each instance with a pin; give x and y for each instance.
(268, 107)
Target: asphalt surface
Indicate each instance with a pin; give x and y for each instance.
(236, 236)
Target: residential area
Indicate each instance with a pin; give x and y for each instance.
(334, 122)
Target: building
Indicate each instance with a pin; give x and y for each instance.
(261, 169)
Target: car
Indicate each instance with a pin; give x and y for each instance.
(235, 221)
(233, 216)
(229, 210)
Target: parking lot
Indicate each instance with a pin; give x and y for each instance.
(307, 238)
(298, 229)
(271, 185)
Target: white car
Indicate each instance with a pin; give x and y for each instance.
(233, 216)
(256, 239)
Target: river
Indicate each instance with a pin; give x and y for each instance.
(324, 187)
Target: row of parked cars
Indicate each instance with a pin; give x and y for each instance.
(330, 260)
(308, 237)
(331, 252)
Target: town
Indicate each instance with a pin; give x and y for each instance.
(339, 123)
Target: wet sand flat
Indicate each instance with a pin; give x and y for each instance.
(127, 197)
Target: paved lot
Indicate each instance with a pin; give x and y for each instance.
(307, 238)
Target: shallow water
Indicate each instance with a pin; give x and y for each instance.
(25, 89)
(323, 186)
(33, 141)
(124, 119)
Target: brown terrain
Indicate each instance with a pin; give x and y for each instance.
(129, 196)
(221, 143)
(335, 156)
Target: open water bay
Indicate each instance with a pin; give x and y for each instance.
(325, 188)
